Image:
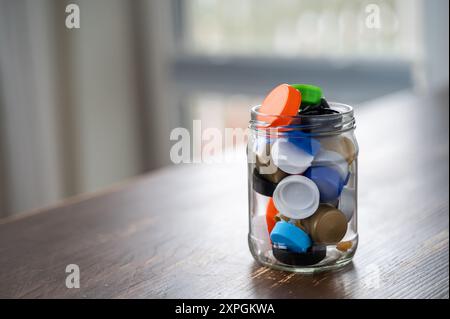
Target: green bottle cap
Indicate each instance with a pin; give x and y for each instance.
(310, 94)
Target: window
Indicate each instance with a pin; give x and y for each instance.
(230, 53)
(291, 28)
(222, 110)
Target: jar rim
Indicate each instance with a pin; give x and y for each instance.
(314, 124)
(334, 105)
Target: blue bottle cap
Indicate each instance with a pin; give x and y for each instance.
(293, 238)
(328, 180)
(304, 142)
(333, 159)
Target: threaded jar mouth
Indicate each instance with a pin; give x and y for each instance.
(324, 124)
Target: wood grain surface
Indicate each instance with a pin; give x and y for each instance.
(181, 232)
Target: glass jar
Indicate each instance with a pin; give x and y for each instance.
(302, 181)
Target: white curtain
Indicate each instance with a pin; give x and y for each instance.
(81, 108)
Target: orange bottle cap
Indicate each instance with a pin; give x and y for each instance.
(283, 100)
(344, 245)
(271, 212)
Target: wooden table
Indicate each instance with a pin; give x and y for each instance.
(182, 231)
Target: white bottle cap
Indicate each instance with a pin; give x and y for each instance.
(296, 197)
(290, 158)
(260, 232)
(334, 159)
(347, 202)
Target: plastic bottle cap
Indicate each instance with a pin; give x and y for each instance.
(315, 124)
(266, 168)
(261, 148)
(312, 256)
(290, 236)
(275, 177)
(304, 142)
(344, 245)
(332, 159)
(296, 222)
(260, 232)
(328, 181)
(271, 213)
(342, 145)
(324, 104)
(311, 94)
(328, 225)
(347, 202)
(290, 158)
(296, 197)
(262, 185)
(318, 109)
(282, 100)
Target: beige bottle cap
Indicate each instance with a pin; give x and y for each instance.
(296, 222)
(262, 151)
(266, 167)
(327, 225)
(340, 144)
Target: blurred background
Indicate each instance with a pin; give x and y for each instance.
(81, 109)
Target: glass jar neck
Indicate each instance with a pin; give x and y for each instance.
(326, 124)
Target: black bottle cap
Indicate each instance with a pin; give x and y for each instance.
(262, 185)
(324, 104)
(311, 257)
